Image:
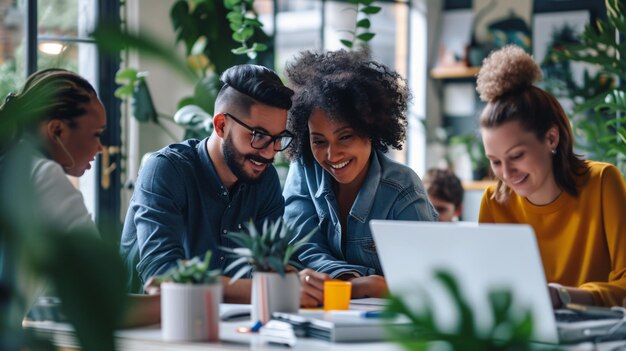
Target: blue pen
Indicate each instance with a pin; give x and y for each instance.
(373, 314)
(255, 328)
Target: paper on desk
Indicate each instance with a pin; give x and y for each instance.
(368, 304)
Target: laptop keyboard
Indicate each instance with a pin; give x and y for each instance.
(567, 316)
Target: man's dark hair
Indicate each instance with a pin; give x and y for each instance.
(247, 84)
(445, 185)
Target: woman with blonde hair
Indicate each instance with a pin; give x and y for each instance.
(575, 206)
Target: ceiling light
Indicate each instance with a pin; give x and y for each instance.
(51, 48)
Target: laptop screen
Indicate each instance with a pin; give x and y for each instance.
(482, 258)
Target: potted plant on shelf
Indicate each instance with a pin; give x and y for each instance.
(191, 294)
(275, 282)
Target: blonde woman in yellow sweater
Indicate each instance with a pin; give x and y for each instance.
(576, 207)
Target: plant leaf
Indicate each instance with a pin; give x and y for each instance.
(240, 50)
(240, 273)
(371, 10)
(124, 91)
(126, 74)
(259, 47)
(364, 23)
(229, 4)
(236, 263)
(111, 39)
(346, 43)
(277, 265)
(366, 36)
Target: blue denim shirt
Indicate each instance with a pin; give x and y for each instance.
(390, 191)
(181, 209)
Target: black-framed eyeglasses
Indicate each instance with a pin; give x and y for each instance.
(260, 139)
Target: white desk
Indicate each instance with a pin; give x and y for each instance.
(149, 338)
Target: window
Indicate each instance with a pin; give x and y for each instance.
(11, 46)
(39, 34)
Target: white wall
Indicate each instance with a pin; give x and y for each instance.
(151, 18)
(424, 21)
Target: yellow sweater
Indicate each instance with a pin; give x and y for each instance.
(582, 240)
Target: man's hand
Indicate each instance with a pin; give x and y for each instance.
(312, 283)
(370, 286)
(153, 286)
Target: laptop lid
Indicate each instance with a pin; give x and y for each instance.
(481, 257)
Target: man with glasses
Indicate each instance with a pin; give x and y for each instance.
(190, 195)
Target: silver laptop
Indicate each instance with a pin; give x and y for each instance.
(482, 258)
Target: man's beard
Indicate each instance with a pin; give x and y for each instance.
(236, 160)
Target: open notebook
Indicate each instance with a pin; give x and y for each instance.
(482, 258)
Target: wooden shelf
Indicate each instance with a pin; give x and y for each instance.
(456, 72)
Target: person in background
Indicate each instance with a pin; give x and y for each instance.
(575, 206)
(445, 193)
(348, 111)
(190, 195)
(61, 121)
(65, 122)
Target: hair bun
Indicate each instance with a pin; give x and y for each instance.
(506, 70)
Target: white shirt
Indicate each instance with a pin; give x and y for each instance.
(60, 203)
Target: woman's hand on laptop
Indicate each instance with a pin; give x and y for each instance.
(563, 295)
(370, 286)
(312, 282)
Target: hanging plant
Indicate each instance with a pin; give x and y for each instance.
(244, 22)
(362, 26)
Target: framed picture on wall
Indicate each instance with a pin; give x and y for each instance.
(551, 31)
(501, 22)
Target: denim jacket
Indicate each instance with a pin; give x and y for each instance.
(390, 191)
(181, 209)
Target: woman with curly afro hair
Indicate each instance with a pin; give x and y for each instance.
(576, 207)
(347, 112)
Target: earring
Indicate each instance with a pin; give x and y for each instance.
(553, 151)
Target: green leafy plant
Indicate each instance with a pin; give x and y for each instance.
(134, 87)
(267, 251)
(193, 271)
(510, 329)
(598, 114)
(244, 22)
(476, 151)
(361, 31)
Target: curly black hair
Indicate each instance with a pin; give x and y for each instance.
(350, 87)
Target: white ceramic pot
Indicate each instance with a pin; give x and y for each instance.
(273, 293)
(190, 312)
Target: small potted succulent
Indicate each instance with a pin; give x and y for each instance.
(191, 294)
(267, 254)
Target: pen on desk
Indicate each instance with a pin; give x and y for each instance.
(374, 314)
